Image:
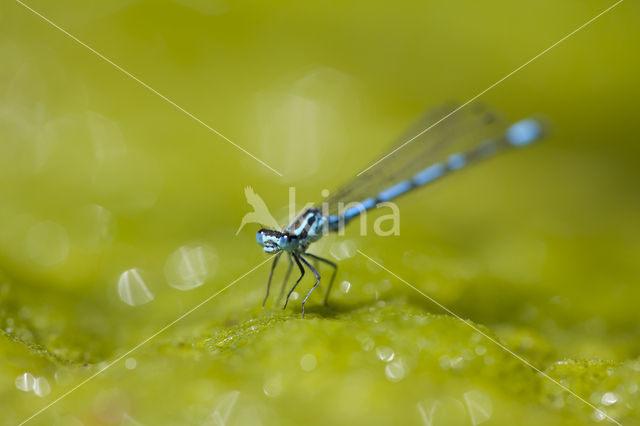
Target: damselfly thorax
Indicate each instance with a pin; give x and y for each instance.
(296, 238)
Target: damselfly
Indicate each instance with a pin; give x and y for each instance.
(464, 138)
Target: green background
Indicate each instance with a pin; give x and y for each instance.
(98, 175)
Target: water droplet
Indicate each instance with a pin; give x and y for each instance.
(273, 387)
(609, 398)
(94, 227)
(489, 360)
(221, 414)
(127, 420)
(370, 289)
(373, 266)
(385, 353)
(476, 337)
(480, 350)
(457, 363)
(343, 249)
(25, 382)
(598, 415)
(345, 286)
(467, 354)
(445, 362)
(190, 266)
(444, 411)
(63, 376)
(426, 415)
(633, 388)
(479, 405)
(421, 320)
(367, 343)
(9, 327)
(422, 343)
(106, 136)
(317, 99)
(41, 387)
(294, 296)
(132, 289)
(47, 243)
(557, 401)
(308, 362)
(130, 363)
(384, 285)
(395, 371)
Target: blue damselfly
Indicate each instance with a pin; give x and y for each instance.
(464, 138)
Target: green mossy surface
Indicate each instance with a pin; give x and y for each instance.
(368, 362)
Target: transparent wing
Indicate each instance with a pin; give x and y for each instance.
(460, 132)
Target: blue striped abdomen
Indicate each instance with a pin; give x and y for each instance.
(519, 134)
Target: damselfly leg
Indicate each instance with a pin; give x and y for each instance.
(333, 276)
(273, 267)
(295, 258)
(315, 272)
(286, 280)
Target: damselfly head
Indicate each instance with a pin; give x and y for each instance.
(273, 241)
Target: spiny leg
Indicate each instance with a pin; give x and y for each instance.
(333, 276)
(273, 267)
(315, 272)
(296, 284)
(286, 280)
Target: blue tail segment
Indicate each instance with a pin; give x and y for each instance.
(524, 132)
(354, 211)
(519, 134)
(429, 174)
(394, 191)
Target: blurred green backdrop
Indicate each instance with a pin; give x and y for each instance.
(109, 196)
